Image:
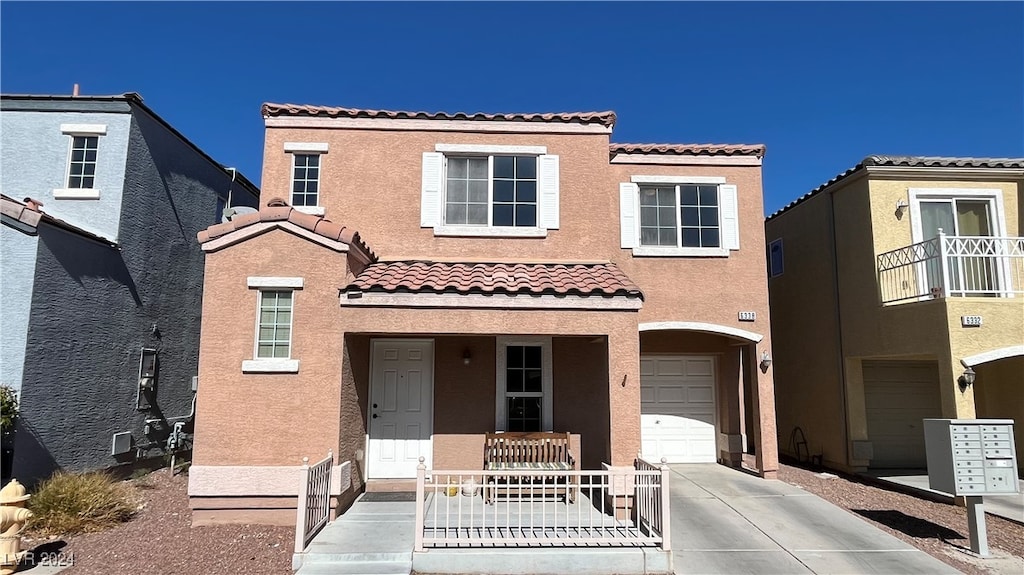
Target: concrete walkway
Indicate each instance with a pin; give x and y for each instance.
(1008, 506)
(725, 521)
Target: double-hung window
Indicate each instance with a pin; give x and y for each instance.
(671, 216)
(524, 384)
(490, 190)
(306, 170)
(83, 161)
(273, 348)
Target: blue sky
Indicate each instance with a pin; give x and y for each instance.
(822, 84)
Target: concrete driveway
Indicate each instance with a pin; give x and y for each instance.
(726, 521)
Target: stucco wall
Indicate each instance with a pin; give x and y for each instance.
(36, 152)
(269, 419)
(805, 331)
(18, 258)
(999, 394)
(95, 307)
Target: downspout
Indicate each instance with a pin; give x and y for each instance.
(839, 326)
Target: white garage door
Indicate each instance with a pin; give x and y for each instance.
(677, 408)
(897, 396)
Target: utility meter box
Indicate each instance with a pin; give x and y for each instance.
(971, 456)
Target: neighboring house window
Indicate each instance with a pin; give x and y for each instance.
(307, 163)
(83, 161)
(305, 179)
(524, 384)
(490, 191)
(273, 347)
(82, 166)
(775, 258)
(678, 216)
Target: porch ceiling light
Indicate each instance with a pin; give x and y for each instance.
(466, 356)
(967, 378)
(766, 361)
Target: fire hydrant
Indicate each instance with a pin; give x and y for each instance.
(13, 516)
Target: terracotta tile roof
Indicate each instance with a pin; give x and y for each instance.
(690, 149)
(29, 214)
(909, 162)
(604, 279)
(277, 210)
(606, 118)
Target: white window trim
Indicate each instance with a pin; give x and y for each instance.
(782, 250)
(490, 150)
(274, 282)
(677, 180)
(84, 129)
(316, 210)
(490, 231)
(669, 251)
(76, 194)
(546, 377)
(272, 364)
(994, 195)
(306, 147)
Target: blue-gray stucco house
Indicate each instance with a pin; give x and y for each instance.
(102, 277)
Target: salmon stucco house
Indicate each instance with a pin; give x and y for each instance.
(414, 281)
(897, 292)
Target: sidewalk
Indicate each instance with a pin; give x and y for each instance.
(1007, 506)
(725, 521)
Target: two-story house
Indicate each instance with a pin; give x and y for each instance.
(102, 277)
(897, 294)
(416, 280)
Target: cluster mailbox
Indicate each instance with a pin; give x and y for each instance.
(971, 457)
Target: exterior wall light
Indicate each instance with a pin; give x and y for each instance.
(466, 357)
(966, 379)
(901, 206)
(766, 361)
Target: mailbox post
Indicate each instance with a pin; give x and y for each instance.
(972, 458)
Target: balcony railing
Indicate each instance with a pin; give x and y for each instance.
(543, 508)
(952, 266)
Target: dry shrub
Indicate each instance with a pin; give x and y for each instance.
(68, 503)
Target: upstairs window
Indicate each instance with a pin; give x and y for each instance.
(305, 179)
(474, 190)
(491, 191)
(82, 165)
(678, 216)
(776, 261)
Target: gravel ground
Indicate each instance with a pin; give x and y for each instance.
(939, 529)
(161, 540)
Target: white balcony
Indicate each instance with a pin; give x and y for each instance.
(952, 266)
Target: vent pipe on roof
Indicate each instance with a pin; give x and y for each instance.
(74, 91)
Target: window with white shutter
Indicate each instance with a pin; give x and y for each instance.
(678, 216)
(502, 191)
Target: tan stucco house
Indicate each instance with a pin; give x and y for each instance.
(416, 280)
(897, 294)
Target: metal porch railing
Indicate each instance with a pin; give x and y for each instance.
(314, 508)
(543, 508)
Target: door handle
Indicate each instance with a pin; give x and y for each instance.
(375, 416)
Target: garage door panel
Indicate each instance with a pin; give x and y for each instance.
(678, 409)
(898, 395)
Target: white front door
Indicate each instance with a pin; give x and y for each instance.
(677, 408)
(401, 407)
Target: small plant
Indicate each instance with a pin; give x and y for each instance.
(8, 409)
(68, 503)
